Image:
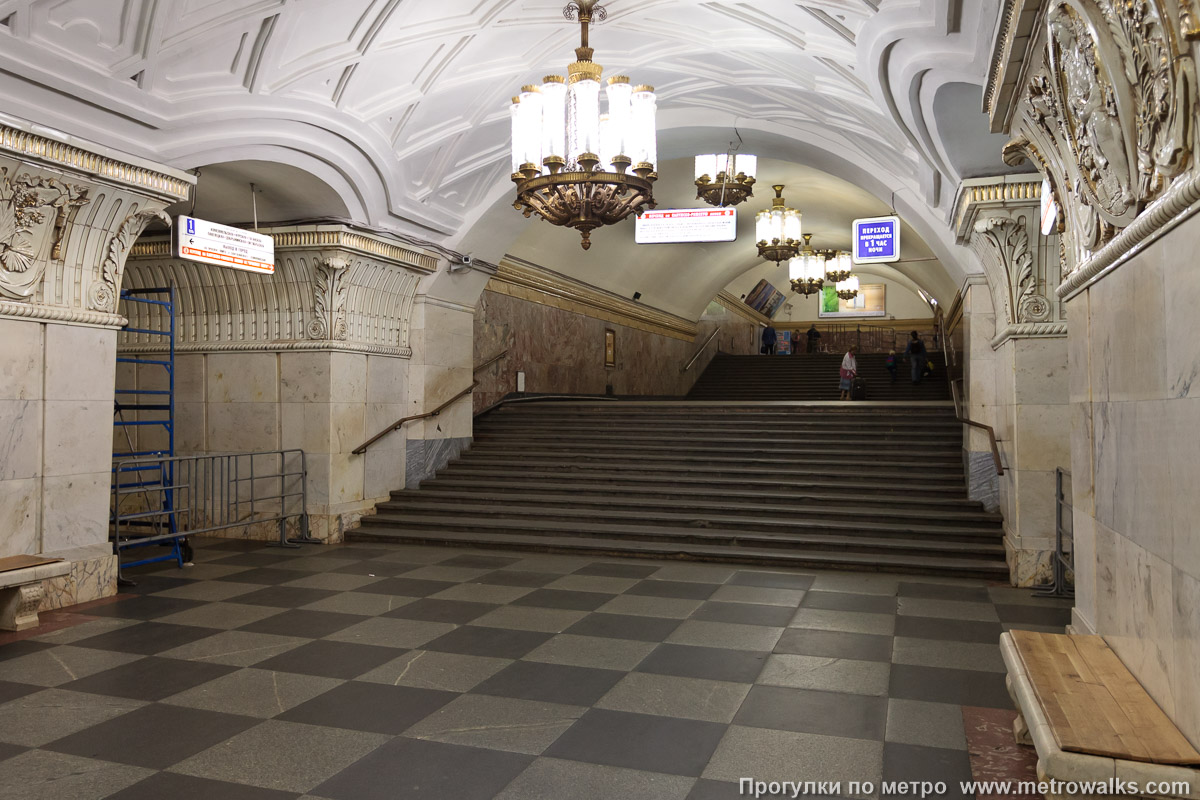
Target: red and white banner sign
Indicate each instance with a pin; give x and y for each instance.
(671, 225)
(223, 246)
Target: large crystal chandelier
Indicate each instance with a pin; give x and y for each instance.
(777, 229)
(839, 266)
(725, 179)
(571, 164)
(807, 270)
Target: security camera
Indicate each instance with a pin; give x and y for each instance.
(466, 260)
(462, 262)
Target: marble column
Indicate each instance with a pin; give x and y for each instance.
(69, 213)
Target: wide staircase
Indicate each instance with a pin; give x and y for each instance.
(850, 485)
(813, 377)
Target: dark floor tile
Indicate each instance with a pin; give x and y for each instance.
(143, 608)
(22, 647)
(609, 570)
(9, 750)
(405, 769)
(149, 584)
(266, 576)
(233, 545)
(1034, 615)
(152, 678)
(853, 716)
(712, 663)
(478, 562)
(955, 630)
(331, 659)
(430, 610)
(380, 569)
(154, 736)
(716, 790)
(146, 639)
(405, 587)
(848, 601)
(745, 614)
(512, 577)
(941, 591)
(259, 559)
(472, 640)
(563, 599)
(303, 623)
(912, 763)
(169, 786)
(621, 626)
(284, 596)
(958, 686)
(371, 707)
(639, 741)
(550, 683)
(682, 590)
(835, 644)
(358, 551)
(772, 580)
(11, 691)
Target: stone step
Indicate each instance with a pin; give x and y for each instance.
(701, 446)
(926, 463)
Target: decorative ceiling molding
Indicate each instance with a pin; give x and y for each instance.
(737, 306)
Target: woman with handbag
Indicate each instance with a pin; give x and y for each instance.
(848, 372)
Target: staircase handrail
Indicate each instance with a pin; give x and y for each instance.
(707, 342)
(362, 448)
(958, 413)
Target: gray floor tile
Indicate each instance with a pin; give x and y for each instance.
(370, 707)
(306, 624)
(828, 713)
(949, 629)
(763, 595)
(427, 669)
(941, 591)
(317, 563)
(377, 569)
(254, 692)
(60, 665)
(639, 741)
(947, 609)
(848, 621)
(835, 644)
(857, 582)
(1014, 595)
(8, 751)
(619, 626)
(144, 607)
(618, 569)
(550, 683)
(954, 655)
(85, 630)
(224, 616)
(744, 613)
(558, 565)
(592, 583)
(360, 603)
(671, 696)
(334, 581)
(170, 786)
(149, 679)
(696, 573)
(557, 779)
(42, 717)
(513, 577)
(725, 634)
(772, 580)
(405, 769)
(154, 736)
(850, 601)
(776, 755)
(235, 648)
(146, 638)
(561, 598)
(637, 606)
(1034, 615)
(209, 590)
(826, 674)
(391, 632)
(473, 640)
(906, 762)
(531, 618)
(477, 561)
(428, 609)
(405, 587)
(440, 572)
(285, 596)
(680, 590)
(928, 724)
(716, 790)
(285, 756)
(264, 576)
(958, 686)
(343, 660)
(592, 651)
(482, 593)
(497, 723)
(711, 663)
(42, 775)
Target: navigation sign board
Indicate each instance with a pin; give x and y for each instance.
(876, 240)
(223, 246)
(672, 225)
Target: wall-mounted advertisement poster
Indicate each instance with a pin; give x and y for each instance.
(869, 302)
(765, 298)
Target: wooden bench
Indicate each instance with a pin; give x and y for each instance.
(1089, 718)
(21, 588)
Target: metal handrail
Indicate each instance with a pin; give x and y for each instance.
(540, 397)
(362, 448)
(991, 432)
(707, 342)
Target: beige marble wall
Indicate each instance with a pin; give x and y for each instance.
(1134, 353)
(563, 351)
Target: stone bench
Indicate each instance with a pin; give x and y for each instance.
(1090, 720)
(21, 588)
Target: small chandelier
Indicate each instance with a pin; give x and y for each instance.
(848, 289)
(725, 179)
(571, 164)
(807, 270)
(777, 229)
(839, 266)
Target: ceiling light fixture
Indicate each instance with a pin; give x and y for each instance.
(571, 164)
(848, 289)
(807, 270)
(777, 229)
(725, 179)
(839, 266)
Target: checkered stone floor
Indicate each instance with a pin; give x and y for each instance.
(362, 672)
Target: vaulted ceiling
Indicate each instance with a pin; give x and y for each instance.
(400, 106)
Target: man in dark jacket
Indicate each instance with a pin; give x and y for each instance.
(769, 338)
(813, 334)
(916, 356)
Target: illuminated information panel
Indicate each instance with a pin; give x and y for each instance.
(223, 246)
(672, 225)
(876, 240)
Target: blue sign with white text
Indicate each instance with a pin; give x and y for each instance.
(876, 240)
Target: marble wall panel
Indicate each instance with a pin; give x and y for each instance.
(1180, 317)
(75, 439)
(1040, 371)
(1040, 434)
(383, 471)
(1079, 365)
(1186, 634)
(306, 426)
(242, 377)
(347, 426)
(1082, 466)
(75, 510)
(80, 363)
(1182, 508)
(1085, 560)
(348, 377)
(190, 372)
(20, 514)
(304, 377)
(20, 439)
(387, 380)
(240, 427)
(982, 481)
(21, 350)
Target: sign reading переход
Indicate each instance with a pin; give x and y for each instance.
(876, 240)
(223, 246)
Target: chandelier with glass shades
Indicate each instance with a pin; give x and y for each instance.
(848, 289)
(807, 270)
(777, 229)
(839, 266)
(725, 179)
(572, 165)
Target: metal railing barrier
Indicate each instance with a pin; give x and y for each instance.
(703, 347)
(1062, 560)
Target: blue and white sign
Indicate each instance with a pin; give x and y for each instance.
(876, 240)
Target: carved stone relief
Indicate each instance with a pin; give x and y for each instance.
(102, 296)
(34, 215)
(329, 322)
